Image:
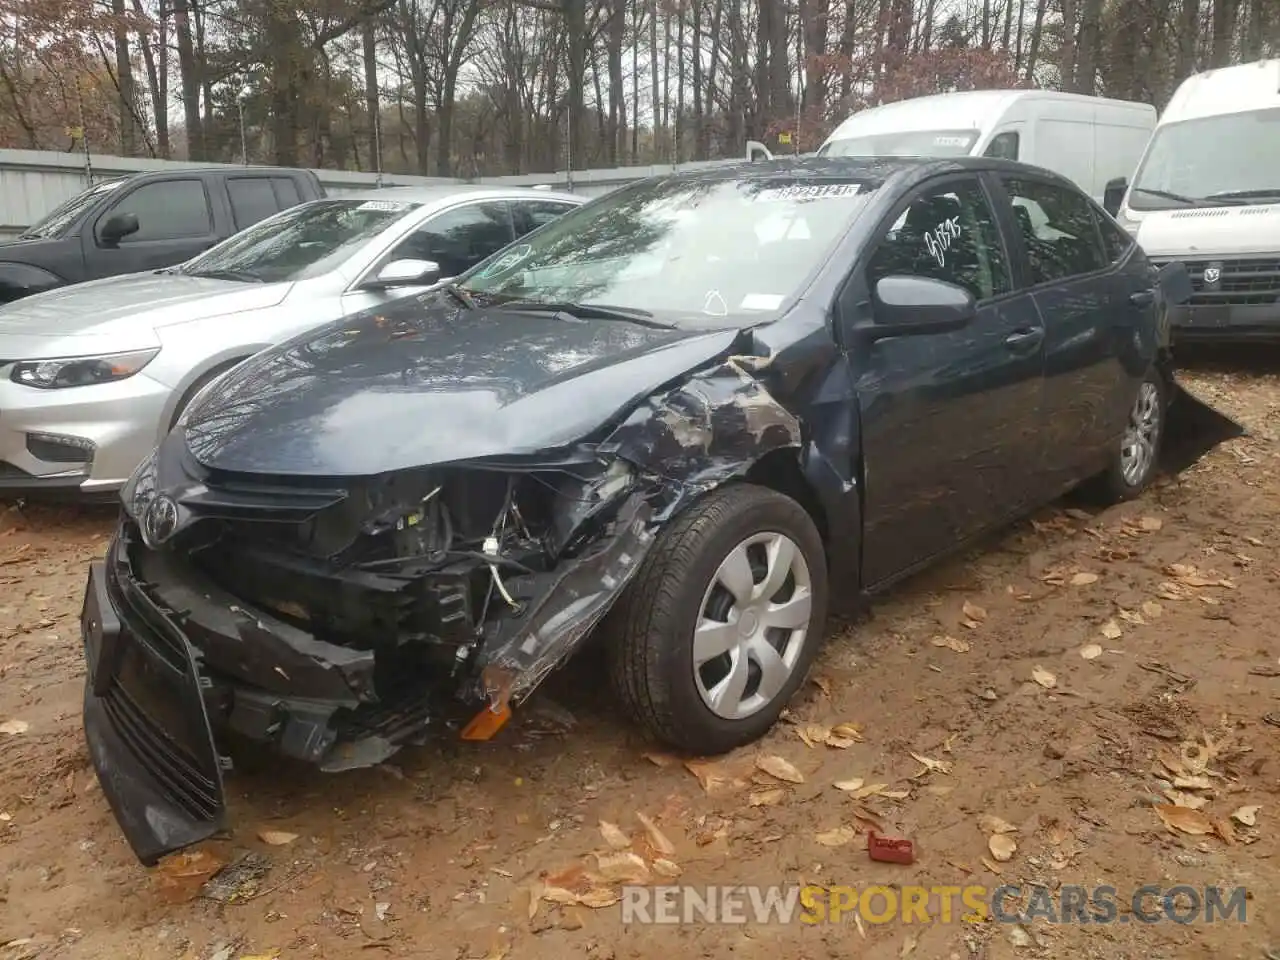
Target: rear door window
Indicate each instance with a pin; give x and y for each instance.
(252, 199)
(1058, 230)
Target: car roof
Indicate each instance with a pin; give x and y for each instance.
(875, 170)
(456, 192)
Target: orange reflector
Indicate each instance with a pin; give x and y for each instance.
(486, 723)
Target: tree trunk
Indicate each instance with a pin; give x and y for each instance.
(1067, 61)
(1037, 34)
(575, 28)
(129, 127)
(159, 100)
(1188, 39)
(653, 70)
(615, 33)
(1088, 50)
(189, 74)
(1224, 25)
(371, 99)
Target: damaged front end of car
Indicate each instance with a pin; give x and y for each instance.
(337, 620)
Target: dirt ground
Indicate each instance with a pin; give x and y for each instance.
(1058, 679)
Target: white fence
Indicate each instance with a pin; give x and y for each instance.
(33, 182)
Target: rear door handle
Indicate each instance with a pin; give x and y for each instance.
(1025, 340)
(1143, 298)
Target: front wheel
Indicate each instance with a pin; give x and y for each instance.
(1134, 464)
(719, 628)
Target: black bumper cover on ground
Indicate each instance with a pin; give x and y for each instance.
(145, 720)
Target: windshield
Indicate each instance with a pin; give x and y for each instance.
(905, 143)
(301, 242)
(1230, 157)
(53, 225)
(695, 252)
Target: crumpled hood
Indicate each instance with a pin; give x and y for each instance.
(122, 312)
(428, 382)
(1208, 232)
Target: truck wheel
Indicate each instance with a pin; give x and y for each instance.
(1134, 463)
(722, 621)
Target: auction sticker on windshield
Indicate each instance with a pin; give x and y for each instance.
(384, 206)
(807, 191)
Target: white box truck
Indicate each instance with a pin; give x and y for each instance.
(1093, 141)
(1207, 193)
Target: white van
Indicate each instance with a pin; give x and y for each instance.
(1207, 192)
(1090, 140)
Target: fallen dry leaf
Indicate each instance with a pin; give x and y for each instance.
(836, 837)
(1043, 677)
(988, 823)
(813, 733)
(991, 866)
(1184, 819)
(1002, 847)
(1151, 524)
(276, 838)
(1180, 799)
(1193, 783)
(1084, 578)
(14, 727)
(667, 869)
(1111, 630)
(1247, 815)
(844, 735)
(180, 876)
(767, 798)
(870, 790)
(973, 615)
(908, 945)
(933, 766)
(1091, 651)
(713, 777)
(951, 643)
(1152, 609)
(849, 785)
(622, 867)
(894, 794)
(1131, 616)
(779, 768)
(661, 759)
(657, 839)
(613, 835)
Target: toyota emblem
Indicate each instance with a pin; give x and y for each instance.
(159, 522)
(1212, 274)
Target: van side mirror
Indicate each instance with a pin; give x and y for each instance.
(1113, 195)
(117, 227)
(905, 306)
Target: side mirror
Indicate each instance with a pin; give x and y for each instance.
(117, 227)
(405, 273)
(904, 306)
(1113, 195)
(757, 151)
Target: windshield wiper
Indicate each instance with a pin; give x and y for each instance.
(237, 275)
(589, 311)
(1215, 199)
(1245, 194)
(459, 294)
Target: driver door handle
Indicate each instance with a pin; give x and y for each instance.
(1142, 298)
(1024, 340)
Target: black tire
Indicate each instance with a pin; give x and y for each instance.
(1113, 486)
(651, 627)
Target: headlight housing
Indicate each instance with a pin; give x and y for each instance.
(62, 372)
(140, 489)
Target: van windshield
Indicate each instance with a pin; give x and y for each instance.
(1228, 158)
(903, 143)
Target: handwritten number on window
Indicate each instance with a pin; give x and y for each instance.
(939, 240)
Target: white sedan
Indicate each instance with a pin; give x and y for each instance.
(92, 376)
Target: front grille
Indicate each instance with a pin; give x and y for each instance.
(1255, 280)
(147, 627)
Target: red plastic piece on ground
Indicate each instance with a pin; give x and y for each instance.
(890, 849)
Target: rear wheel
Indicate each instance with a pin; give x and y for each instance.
(1134, 464)
(723, 620)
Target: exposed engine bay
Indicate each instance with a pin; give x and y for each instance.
(339, 620)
